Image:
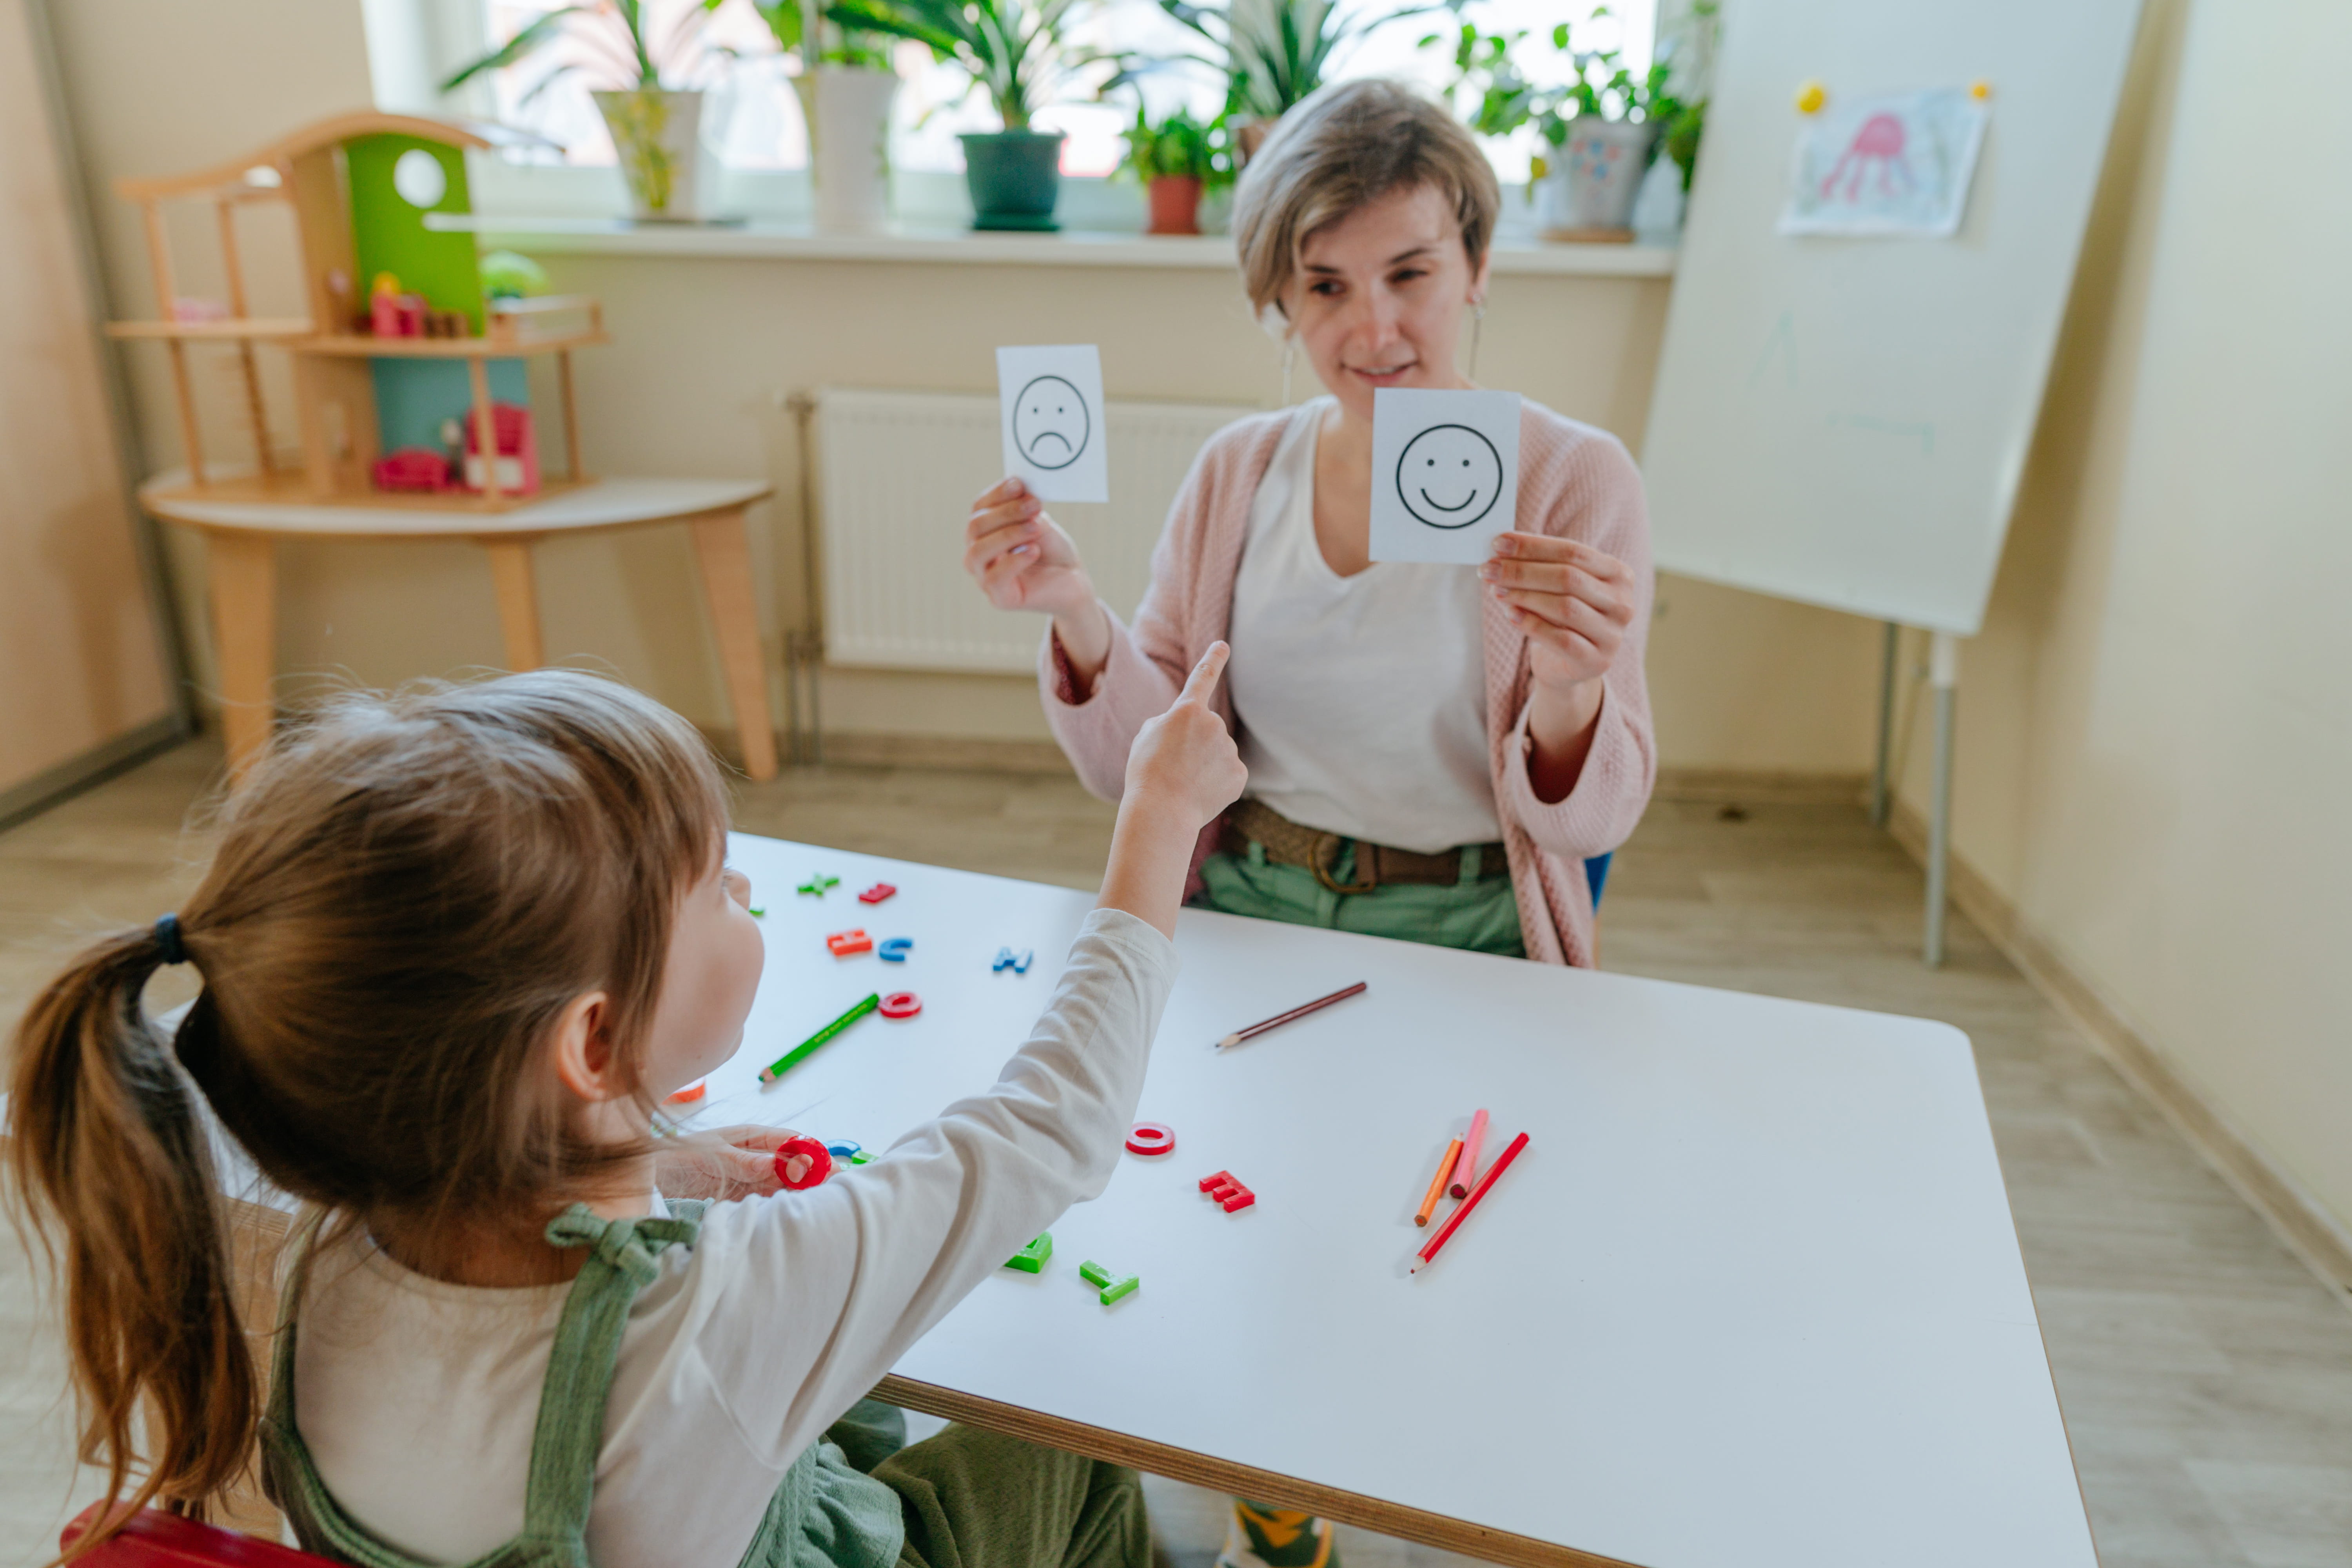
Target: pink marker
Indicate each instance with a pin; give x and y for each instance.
(1465, 1169)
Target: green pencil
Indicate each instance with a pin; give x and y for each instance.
(792, 1058)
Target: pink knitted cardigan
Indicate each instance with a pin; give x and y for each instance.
(1574, 482)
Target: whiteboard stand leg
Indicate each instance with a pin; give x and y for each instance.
(1885, 725)
(1944, 673)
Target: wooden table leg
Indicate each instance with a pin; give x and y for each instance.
(724, 548)
(243, 568)
(510, 574)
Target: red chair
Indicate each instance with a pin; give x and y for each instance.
(154, 1539)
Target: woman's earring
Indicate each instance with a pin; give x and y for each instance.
(1289, 353)
(1477, 321)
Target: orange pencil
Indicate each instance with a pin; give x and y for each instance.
(1465, 1172)
(1502, 1163)
(1437, 1183)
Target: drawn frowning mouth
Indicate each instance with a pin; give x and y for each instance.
(1037, 443)
(1443, 507)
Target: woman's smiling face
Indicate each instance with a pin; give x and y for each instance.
(1379, 298)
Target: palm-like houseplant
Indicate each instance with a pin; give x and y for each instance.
(1014, 50)
(655, 118)
(1273, 53)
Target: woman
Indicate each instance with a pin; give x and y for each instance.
(1433, 754)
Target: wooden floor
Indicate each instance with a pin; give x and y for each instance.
(2206, 1376)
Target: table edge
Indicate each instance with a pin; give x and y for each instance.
(1242, 1480)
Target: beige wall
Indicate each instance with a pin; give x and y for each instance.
(78, 637)
(2156, 727)
(704, 349)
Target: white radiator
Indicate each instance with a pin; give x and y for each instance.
(897, 471)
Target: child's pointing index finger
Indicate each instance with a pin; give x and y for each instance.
(1204, 678)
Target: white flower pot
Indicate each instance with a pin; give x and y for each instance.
(1592, 179)
(847, 112)
(659, 136)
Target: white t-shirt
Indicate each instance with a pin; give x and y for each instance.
(1362, 699)
(417, 1397)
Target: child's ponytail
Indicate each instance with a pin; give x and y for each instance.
(112, 1167)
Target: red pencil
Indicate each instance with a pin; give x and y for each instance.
(1502, 1163)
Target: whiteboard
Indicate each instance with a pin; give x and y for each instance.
(1844, 421)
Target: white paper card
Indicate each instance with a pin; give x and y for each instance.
(1445, 473)
(1052, 402)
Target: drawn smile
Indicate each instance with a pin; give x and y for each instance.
(1454, 452)
(1443, 507)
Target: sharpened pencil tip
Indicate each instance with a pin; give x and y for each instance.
(1228, 1040)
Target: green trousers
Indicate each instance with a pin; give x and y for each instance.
(980, 1500)
(1480, 915)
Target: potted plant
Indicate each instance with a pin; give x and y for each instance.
(845, 86)
(656, 129)
(1273, 53)
(1177, 159)
(1013, 51)
(1600, 127)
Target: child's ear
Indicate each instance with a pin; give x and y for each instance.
(582, 1050)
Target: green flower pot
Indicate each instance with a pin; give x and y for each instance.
(1014, 177)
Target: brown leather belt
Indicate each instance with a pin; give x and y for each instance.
(1287, 843)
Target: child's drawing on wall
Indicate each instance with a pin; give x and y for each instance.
(1889, 165)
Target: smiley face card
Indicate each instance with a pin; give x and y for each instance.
(1052, 403)
(1445, 473)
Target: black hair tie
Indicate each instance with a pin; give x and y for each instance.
(169, 949)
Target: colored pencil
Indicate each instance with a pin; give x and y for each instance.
(1502, 1163)
(793, 1058)
(1437, 1183)
(1238, 1036)
(1465, 1170)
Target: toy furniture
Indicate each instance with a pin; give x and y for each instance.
(1751, 1294)
(412, 407)
(400, 335)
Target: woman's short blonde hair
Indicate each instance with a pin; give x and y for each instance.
(1342, 148)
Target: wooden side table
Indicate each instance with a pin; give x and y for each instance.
(241, 538)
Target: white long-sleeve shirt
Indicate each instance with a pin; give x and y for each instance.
(417, 1397)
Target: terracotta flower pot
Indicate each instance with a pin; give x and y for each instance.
(1175, 205)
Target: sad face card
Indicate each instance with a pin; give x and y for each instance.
(1445, 473)
(1052, 403)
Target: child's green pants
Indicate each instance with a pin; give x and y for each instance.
(980, 1500)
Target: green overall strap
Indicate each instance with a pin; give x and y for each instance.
(571, 1429)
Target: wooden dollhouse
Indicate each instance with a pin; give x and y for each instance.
(409, 377)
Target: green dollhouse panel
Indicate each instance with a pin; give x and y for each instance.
(414, 396)
(388, 229)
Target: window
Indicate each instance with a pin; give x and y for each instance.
(755, 119)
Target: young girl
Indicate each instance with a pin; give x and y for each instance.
(455, 947)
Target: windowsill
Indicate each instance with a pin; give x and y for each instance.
(911, 243)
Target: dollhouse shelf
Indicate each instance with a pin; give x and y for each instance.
(356, 346)
(272, 329)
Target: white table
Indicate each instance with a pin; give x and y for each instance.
(1751, 1295)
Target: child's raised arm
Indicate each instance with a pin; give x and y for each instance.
(1183, 770)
